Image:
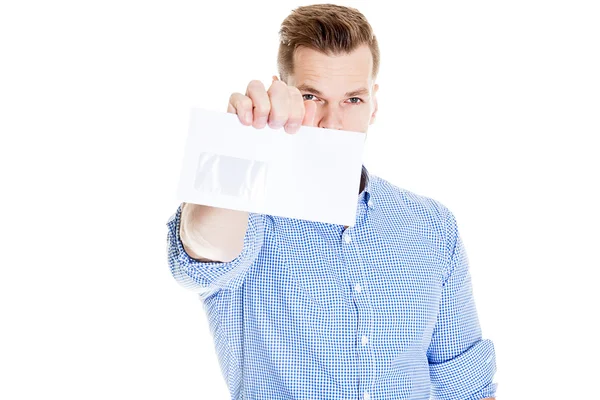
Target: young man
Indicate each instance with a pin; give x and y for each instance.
(305, 310)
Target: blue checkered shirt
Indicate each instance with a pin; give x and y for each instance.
(380, 310)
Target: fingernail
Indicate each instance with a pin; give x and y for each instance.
(292, 128)
(261, 122)
(248, 117)
(275, 125)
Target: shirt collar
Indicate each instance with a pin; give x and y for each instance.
(365, 180)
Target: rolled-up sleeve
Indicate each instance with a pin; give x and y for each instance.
(207, 278)
(461, 364)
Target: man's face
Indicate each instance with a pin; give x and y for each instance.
(342, 86)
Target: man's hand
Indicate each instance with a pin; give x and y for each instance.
(280, 106)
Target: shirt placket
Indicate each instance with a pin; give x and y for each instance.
(361, 299)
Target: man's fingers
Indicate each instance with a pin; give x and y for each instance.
(310, 111)
(280, 104)
(261, 103)
(242, 106)
(296, 110)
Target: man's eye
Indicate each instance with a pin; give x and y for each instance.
(307, 96)
(355, 100)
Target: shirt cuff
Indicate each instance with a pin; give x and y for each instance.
(468, 376)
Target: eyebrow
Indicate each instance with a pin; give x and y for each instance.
(357, 92)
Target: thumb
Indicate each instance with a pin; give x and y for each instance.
(310, 110)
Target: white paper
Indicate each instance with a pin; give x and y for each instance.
(312, 175)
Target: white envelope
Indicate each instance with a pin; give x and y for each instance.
(312, 175)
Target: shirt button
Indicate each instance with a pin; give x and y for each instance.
(367, 396)
(364, 340)
(357, 287)
(370, 203)
(347, 238)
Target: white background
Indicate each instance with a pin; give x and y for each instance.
(491, 108)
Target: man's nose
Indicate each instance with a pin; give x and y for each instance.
(332, 118)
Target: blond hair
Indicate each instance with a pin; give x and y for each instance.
(328, 28)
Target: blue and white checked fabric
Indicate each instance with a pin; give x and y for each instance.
(381, 310)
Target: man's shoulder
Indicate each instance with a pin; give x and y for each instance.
(399, 200)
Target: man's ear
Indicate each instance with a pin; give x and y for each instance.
(374, 98)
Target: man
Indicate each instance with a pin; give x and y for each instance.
(306, 310)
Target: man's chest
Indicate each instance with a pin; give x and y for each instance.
(390, 280)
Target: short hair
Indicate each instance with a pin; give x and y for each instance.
(328, 28)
